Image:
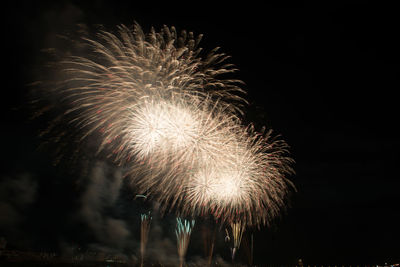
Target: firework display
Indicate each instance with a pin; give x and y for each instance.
(179, 139)
(152, 103)
(244, 181)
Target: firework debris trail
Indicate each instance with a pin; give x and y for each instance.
(208, 234)
(237, 230)
(161, 109)
(183, 231)
(145, 222)
(144, 233)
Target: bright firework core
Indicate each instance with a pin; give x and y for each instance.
(224, 186)
(162, 127)
(221, 180)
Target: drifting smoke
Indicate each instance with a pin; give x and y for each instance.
(103, 190)
(17, 194)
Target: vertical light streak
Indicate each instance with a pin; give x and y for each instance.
(208, 242)
(145, 219)
(183, 231)
(237, 230)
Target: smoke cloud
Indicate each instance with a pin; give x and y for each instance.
(99, 204)
(17, 194)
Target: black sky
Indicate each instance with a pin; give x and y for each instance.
(324, 77)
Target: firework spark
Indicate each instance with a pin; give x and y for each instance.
(183, 231)
(208, 233)
(237, 230)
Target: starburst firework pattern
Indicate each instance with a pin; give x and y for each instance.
(121, 72)
(245, 181)
(153, 104)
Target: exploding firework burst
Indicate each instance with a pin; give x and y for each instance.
(143, 97)
(180, 154)
(122, 72)
(245, 181)
(160, 109)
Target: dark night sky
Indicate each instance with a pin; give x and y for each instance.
(324, 77)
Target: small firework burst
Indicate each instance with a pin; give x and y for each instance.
(183, 231)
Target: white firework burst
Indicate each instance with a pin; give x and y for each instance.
(158, 107)
(245, 181)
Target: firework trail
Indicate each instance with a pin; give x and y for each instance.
(237, 230)
(153, 104)
(183, 231)
(145, 221)
(248, 245)
(144, 233)
(208, 241)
